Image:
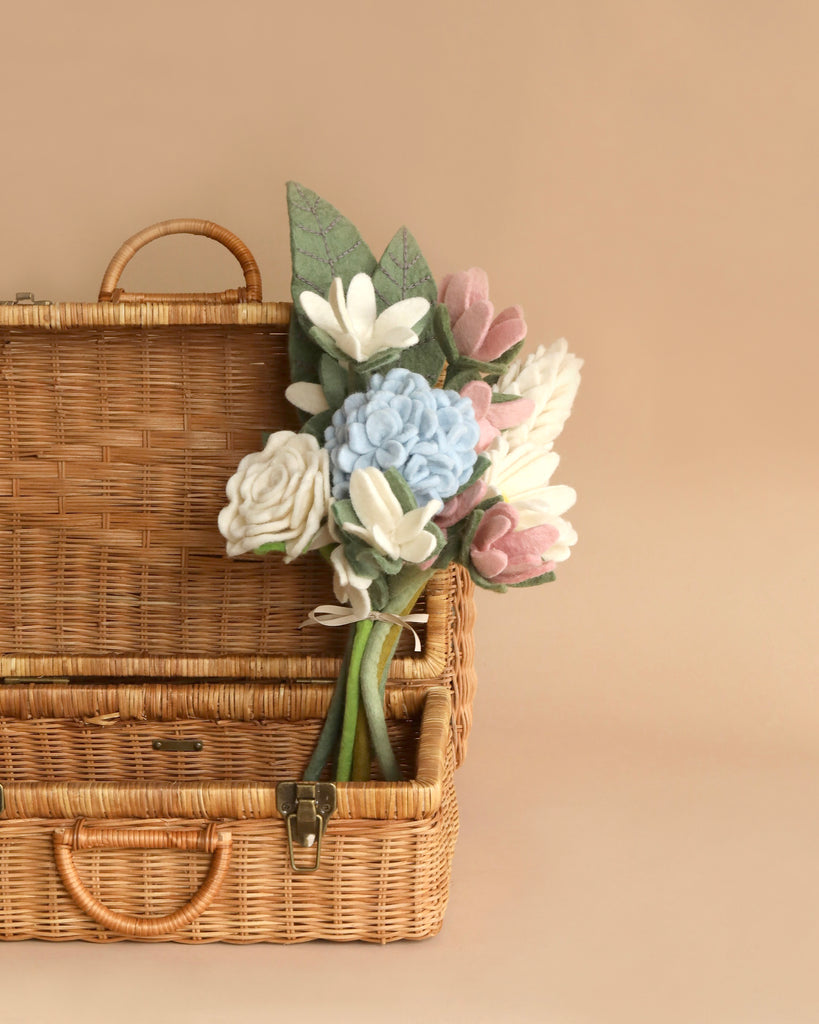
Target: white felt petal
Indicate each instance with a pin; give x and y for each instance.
(413, 522)
(372, 498)
(307, 397)
(419, 548)
(405, 313)
(396, 337)
(320, 312)
(361, 305)
(339, 305)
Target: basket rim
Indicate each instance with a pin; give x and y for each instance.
(60, 316)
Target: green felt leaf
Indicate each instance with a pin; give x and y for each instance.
(317, 424)
(425, 358)
(468, 363)
(440, 539)
(401, 489)
(451, 548)
(482, 463)
(499, 588)
(487, 503)
(471, 524)
(323, 244)
(498, 398)
(546, 577)
(265, 549)
(343, 512)
(511, 353)
(303, 352)
(333, 381)
(379, 593)
(442, 330)
(403, 273)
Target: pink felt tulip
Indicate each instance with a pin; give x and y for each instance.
(476, 333)
(461, 505)
(503, 554)
(494, 417)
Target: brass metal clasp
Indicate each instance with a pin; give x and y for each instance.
(25, 299)
(305, 807)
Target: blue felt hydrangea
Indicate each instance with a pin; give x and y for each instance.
(427, 434)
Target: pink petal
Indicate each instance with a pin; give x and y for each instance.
(489, 563)
(480, 395)
(487, 435)
(461, 505)
(442, 288)
(465, 288)
(498, 521)
(470, 329)
(510, 313)
(535, 541)
(504, 415)
(500, 337)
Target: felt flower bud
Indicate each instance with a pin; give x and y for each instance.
(494, 417)
(278, 495)
(478, 333)
(502, 553)
(385, 525)
(348, 586)
(352, 323)
(549, 378)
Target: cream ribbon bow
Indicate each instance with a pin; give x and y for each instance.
(337, 615)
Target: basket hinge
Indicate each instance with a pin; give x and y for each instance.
(25, 299)
(305, 807)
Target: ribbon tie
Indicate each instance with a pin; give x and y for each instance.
(336, 615)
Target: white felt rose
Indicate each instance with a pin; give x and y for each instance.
(352, 323)
(385, 525)
(520, 475)
(278, 495)
(549, 378)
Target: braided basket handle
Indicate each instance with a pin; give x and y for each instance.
(80, 837)
(252, 292)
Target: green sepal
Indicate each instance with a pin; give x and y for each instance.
(442, 331)
(482, 463)
(379, 593)
(499, 398)
(535, 581)
(487, 503)
(333, 381)
(440, 540)
(471, 524)
(499, 588)
(506, 357)
(378, 362)
(274, 545)
(317, 424)
(456, 378)
(451, 548)
(323, 340)
(401, 489)
(403, 273)
(344, 512)
(323, 245)
(468, 363)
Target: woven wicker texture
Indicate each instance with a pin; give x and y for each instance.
(120, 424)
(385, 861)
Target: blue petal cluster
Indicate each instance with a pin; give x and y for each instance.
(427, 434)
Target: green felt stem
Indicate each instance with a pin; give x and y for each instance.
(332, 723)
(405, 591)
(361, 749)
(348, 730)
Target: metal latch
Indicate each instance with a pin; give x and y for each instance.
(305, 807)
(25, 299)
(187, 745)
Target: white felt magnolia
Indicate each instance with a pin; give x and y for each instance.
(278, 495)
(385, 525)
(307, 397)
(352, 323)
(549, 378)
(520, 474)
(348, 586)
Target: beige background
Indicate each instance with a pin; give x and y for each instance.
(639, 823)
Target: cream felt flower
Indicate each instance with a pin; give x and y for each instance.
(385, 525)
(549, 378)
(520, 475)
(308, 397)
(349, 587)
(352, 323)
(278, 495)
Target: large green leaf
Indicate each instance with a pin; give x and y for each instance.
(323, 244)
(403, 273)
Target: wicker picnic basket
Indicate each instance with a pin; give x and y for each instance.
(158, 701)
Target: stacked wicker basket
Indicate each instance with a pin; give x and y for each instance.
(156, 693)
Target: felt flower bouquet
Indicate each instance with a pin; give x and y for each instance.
(425, 441)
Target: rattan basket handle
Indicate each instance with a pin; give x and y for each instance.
(81, 837)
(252, 292)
